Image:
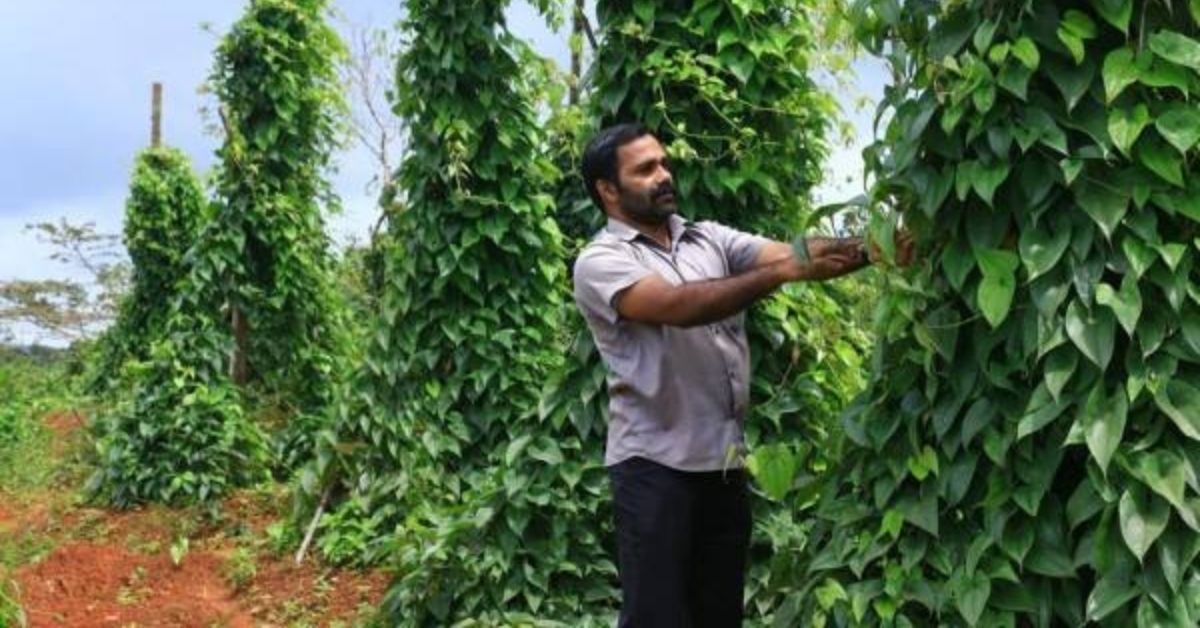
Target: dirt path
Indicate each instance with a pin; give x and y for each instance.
(85, 567)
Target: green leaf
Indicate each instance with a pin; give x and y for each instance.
(982, 177)
(1111, 593)
(1176, 551)
(984, 34)
(1042, 247)
(644, 9)
(923, 463)
(971, 594)
(1180, 125)
(999, 284)
(1014, 77)
(1070, 169)
(1075, 29)
(1091, 332)
(1140, 256)
(1165, 473)
(1103, 421)
(1172, 253)
(1072, 80)
(1115, 12)
(1119, 72)
(1124, 126)
(893, 523)
(951, 32)
(957, 262)
(1181, 402)
(1176, 48)
(1160, 159)
(774, 469)
(1041, 410)
(1103, 203)
(1027, 52)
(1060, 366)
(1126, 304)
(1143, 518)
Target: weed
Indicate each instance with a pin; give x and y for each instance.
(134, 588)
(11, 614)
(24, 548)
(179, 550)
(240, 569)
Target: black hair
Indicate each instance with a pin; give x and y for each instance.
(600, 156)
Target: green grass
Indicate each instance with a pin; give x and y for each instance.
(11, 615)
(30, 388)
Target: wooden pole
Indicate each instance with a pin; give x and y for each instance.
(156, 116)
(576, 52)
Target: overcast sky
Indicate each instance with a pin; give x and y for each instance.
(75, 111)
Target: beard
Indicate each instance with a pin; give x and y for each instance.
(653, 206)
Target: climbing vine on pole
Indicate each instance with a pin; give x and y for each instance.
(1027, 451)
(163, 213)
(258, 292)
(281, 104)
(441, 459)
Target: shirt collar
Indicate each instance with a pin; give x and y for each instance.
(628, 233)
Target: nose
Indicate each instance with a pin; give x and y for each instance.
(664, 176)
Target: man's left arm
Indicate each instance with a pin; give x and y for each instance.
(850, 254)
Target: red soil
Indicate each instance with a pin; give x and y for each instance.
(64, 423)
(113, 568)
(84, 584)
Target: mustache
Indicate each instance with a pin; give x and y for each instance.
(663, 190)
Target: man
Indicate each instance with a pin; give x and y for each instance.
(664, 300)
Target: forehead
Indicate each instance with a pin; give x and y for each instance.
(642, 149)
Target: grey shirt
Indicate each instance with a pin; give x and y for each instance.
(677, 396)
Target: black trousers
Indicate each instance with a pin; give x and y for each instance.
(682, 540)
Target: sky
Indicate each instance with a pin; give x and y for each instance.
(77, 78)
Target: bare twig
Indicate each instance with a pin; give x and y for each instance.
(312, 526)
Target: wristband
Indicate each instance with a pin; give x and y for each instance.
(800, 250)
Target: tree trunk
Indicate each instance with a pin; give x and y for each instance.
(238, 369)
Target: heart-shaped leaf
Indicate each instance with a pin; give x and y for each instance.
(1105, 204)
(1180, 126)
(1103, 421)
(1115, 12)
(971, 594)
(1126, 303)
(1124, 126)
(999, 283)
(1027, 52)
(1042, 247)
(1176, 48)
(1161, 159)
(1180, 401)
(1119, 71)
(1092, 331)
(1143, 518)
(1163, 472)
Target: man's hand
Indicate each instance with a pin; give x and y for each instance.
(905, 251)
(828, 263)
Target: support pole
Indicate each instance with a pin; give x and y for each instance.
(156, 116)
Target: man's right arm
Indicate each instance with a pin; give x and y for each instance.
(654, 300)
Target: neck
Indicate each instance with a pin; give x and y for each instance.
(659, 231)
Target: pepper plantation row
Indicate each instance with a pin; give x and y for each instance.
(1013, 443)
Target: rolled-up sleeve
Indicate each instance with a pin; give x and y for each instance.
(741, 249)
(602, 272)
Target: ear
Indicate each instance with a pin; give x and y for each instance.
(608, 193)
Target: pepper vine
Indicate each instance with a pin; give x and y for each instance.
(1027, 451)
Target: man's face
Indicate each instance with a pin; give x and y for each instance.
(644, 183)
